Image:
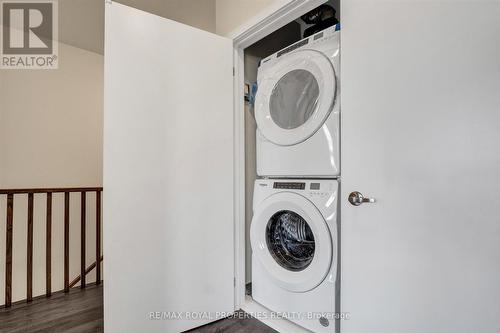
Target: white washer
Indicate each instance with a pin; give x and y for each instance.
(294, 242)
(297, 109)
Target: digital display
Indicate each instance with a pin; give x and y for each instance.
(318, 36)
(289, 185)
(314, 186)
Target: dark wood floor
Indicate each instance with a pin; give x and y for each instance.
(240, 323)
(81, 311)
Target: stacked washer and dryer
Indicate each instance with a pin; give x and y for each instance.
(294, 232)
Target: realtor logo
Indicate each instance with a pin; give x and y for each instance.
(29, 34)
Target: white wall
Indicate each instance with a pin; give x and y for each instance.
(231, 14)
(51, 123)
(50, 136)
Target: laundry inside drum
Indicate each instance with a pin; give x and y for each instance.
(290, 240)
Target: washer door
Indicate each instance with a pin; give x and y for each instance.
(292, 241)
(295, 97)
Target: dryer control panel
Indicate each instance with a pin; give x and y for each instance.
(320, 38)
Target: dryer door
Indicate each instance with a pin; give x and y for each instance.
(291, 239)
(295, 97)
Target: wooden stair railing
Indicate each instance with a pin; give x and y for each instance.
(48, 255)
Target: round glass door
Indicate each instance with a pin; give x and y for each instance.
(294, 99)
(290, 240)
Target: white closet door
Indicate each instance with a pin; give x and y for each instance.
(421, 134)
(168, 178)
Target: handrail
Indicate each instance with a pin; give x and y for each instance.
(30, 192)
(50, 190)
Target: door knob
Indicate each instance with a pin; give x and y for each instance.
(356, 199)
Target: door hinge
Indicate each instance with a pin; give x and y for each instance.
(234, 71)
(234, 282)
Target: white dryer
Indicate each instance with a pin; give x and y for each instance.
(294, 242)
(297, 109)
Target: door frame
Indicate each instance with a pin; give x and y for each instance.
(260, 26)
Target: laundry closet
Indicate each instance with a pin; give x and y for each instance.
(218, 199)
(292, 170)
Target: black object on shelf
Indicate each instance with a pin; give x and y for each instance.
(322, 17)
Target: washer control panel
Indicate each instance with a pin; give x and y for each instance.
(321, 192)
(316, 190)
(290, 185)
(316, 194)
(315, 186)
